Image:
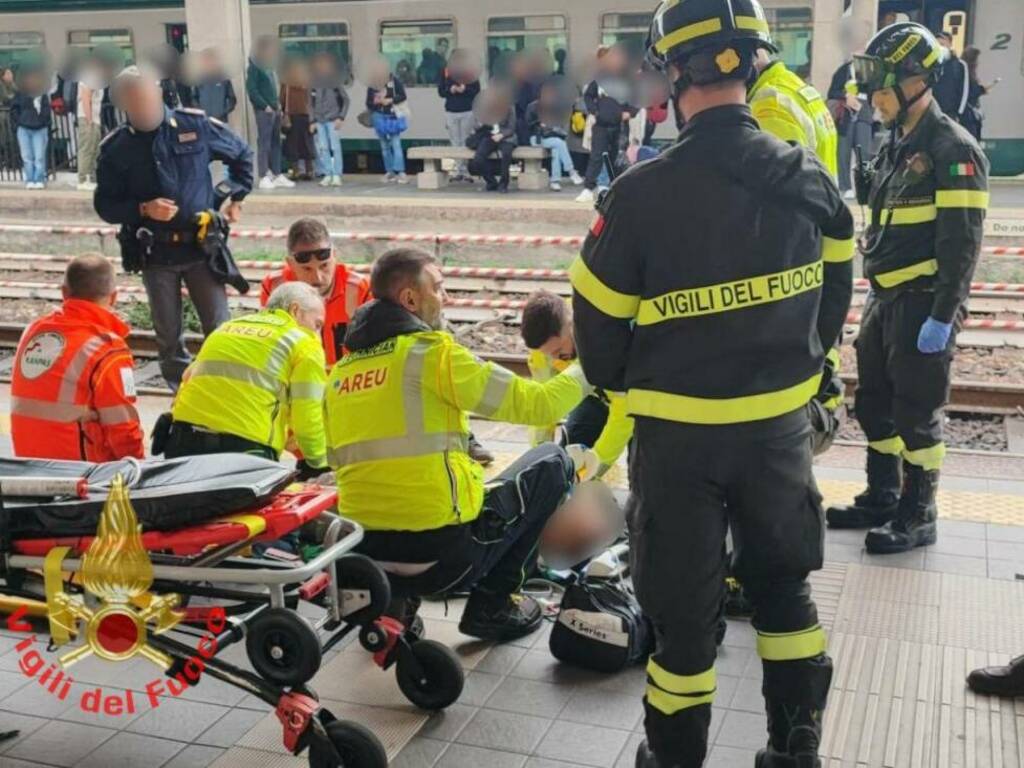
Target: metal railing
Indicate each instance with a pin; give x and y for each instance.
(62, 149)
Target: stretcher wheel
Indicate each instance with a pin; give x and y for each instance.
(283, 648)
(355, 744)
(437, 682)
(360, 572)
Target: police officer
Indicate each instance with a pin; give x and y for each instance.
(715, 322)
(154, 179)
(928, 200)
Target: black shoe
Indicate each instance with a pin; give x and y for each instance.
(769, 758)
(914, 525)
(794, 727)
(736, 604)
(478, 453)
(879, 503)
(999, 681)
(406, 610)
(500, 617)
(503, 189)
(491, 186)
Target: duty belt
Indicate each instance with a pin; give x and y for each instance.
(167, 236)
(192, 437)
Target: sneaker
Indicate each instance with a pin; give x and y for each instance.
(30, 185)
(267, 183)
(500, 617)
(387, 178)
(335, 181)
(403, 178)
(478, 453)
(849, 194)
(555, 186)
(325, 181)
(86, 186)
(576, 179)
(586, 196)
(283, 181)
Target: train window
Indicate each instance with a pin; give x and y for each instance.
(629, 29)
(308, 39)
(507, 35)
(14, 44)
(90, 39)
(792, 31)
(417, 50)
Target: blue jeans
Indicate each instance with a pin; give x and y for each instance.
(561, 160)
(391, 151)
(329, 160)
(32, 145)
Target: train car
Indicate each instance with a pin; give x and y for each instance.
(414, 36)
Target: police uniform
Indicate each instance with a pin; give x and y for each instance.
(927, 208)
(171, 162)
(712, 282)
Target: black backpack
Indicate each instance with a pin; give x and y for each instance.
(600, 626)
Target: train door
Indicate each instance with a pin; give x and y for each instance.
(948, 15)
(177, 35)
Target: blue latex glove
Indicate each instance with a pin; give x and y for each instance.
(934, 336)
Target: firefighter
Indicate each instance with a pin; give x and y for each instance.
(927, 196)
(397, 410)
(256, 379)
(712, 282)
(73, 388)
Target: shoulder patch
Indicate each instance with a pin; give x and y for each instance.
(40, 354)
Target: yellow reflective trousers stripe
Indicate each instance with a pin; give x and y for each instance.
(836, 251)
(669, 693)
(912, 214)
(791, 646)
(926, 458)
(731, 410)
(961, 198)
(905, 274)
(608, 300)
(892, 446)
(736, 294)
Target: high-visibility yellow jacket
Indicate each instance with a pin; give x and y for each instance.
(617, 430)
(790, 109)
(397, 408)
(257, 377)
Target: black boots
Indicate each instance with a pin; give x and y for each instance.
(795, 693)
(999, 681)
(914, 524)
(500, 617)
(878, 504)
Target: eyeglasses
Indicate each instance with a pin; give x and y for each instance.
(320, 254)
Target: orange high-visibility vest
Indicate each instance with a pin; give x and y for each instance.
(349, 292)
(73, 388)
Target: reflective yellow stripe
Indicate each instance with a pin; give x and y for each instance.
(892, 446)
(791, 646)
(732, 410)
(927, 458)
(897, 276)
(671, 683)
(931, 58)
(670, 703)
(609, 301)
(690, 31)
(254, 524)
(836, 251)
(752, 22)
(912, 214)
(961, 198)
(737, 294)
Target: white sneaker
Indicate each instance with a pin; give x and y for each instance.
(86, 186)
(325, 181)
(30, 185)
(387, 178)
(267, 183)
(403, 178)
(335, 181)
(586, 196)
(40, 185)
(849, 194)
(555, 186)
(576, 179)
(283, 181)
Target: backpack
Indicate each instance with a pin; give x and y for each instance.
(600, 626)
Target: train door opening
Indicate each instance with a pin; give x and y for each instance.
(951, 16)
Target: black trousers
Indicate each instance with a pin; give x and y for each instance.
(602, 139)
(495, 551)
(482, 165)
(900, 391)
(586, 421)
(689, 485)
(185, 439)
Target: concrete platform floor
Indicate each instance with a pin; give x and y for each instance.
(904, 630)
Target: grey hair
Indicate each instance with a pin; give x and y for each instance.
(130, 77)
(306, 296)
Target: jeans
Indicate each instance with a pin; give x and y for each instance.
(391, 153)
(561, 160)
(460, 127)
(32, 145)
(268, 142)
(163, 287)
(329, 160)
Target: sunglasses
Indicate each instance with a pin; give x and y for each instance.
(320, 254)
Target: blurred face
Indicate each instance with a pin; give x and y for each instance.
(887, 103)
(426, 300)
(8, 76)
(142, 101)
(315, 271)
(944, 42)
(323, 66)
(308, 318)
(614, 61)
(562, 346)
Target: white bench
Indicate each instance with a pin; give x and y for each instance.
(432, 176)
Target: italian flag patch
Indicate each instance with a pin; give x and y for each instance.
(961, 169)
(597, 225)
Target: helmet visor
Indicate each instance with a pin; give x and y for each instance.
(872, 74)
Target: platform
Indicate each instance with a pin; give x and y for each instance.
(904, 631)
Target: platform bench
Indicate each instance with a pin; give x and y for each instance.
(533, 175)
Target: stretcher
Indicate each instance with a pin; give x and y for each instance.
(208, 567)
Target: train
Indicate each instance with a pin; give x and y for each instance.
(414, 34)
